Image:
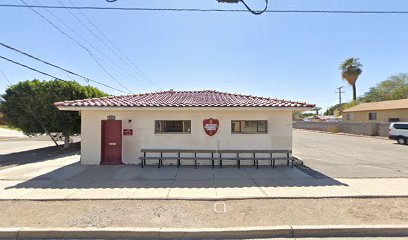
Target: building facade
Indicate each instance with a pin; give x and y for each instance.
(386, 111)
(206, 120)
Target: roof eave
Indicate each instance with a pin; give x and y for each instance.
(99, 108)
(377, 109)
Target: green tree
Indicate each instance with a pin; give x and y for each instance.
(330, 110)
(350, 71)
(394, 88)
(351, 104)
(30, 106)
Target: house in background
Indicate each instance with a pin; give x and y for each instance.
(115, 129)
(386, 111)
(322, 118)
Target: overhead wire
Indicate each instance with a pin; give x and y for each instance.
(33, 69)
(96, 49)
(5, 77)
(107, 42)
(93, 56)
(28, 108)
(79, 44)
(206, 10)
(44, 73)
(255, 12)
(45, 62)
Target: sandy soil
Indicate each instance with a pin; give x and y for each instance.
(135, 213)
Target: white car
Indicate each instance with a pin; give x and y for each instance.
(399, 131)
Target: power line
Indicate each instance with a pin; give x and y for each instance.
(204, 10)
(44, 73)
(30, 109)
(75, 41)
(45, 62)
(254, 11)
(64, 71)
(119, 68)
(125, 59)
(92, 55)
(4, 75)
(103, 42)
(55, 66)
(33, 69)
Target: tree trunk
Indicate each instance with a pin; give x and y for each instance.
(66, 139)
(354, 92)
(55, 142)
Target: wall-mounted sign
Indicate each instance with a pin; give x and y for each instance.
(111, 117)
(211, 126)
(128, 132)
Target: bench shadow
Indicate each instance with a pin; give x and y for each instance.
(37, 155)
(76, 176)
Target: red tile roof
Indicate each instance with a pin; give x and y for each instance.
(206, 98)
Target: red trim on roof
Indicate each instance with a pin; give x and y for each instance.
(206, 98)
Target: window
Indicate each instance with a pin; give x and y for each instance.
(349, 116)
(173, 126)
(372, 116)
(240, 126)
(401, 126)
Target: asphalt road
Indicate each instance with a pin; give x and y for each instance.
(347, 156)
(333, 155)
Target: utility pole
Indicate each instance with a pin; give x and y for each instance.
(340, 92)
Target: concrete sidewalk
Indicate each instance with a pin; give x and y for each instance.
(65, 178)
(198, 190)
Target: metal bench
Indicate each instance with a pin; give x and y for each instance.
(213, 155)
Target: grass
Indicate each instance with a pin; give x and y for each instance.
(9, 127)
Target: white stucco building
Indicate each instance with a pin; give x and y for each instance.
(114, 130)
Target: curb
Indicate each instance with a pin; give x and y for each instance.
(213, 233)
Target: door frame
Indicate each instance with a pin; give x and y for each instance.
(103, 141)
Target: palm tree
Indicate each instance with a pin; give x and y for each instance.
(350, 71)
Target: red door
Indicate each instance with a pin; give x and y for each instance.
(111, 142)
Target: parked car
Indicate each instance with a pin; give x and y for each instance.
(399, 131)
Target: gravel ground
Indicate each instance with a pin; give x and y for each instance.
(134, 213)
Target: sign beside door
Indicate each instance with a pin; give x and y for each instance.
(127, 132)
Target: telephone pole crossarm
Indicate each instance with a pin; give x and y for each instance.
(339, 91)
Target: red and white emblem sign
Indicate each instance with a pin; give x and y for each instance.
(211, 126)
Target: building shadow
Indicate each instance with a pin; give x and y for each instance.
(37, 155)
(76, 176)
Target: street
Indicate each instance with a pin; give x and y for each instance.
(348, 156)
(340, 172)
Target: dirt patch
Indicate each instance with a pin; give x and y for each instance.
(137, 213)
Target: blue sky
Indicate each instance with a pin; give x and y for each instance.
(289, 56)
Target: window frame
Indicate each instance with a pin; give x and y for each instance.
(349, 117)
(370, 114)
(156, 132)
(257, 127)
